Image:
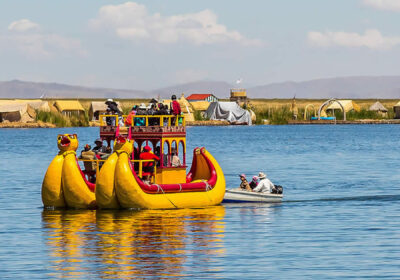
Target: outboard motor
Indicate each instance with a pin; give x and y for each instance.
(278, 189)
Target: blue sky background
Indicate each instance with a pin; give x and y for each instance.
(60, 44)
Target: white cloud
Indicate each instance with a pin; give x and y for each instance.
(390, 5)
(372, 39)
(23, 25)
(132, 21)
(26, 37)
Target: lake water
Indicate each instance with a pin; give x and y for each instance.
(340, 217)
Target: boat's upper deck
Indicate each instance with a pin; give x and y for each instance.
(142, 124)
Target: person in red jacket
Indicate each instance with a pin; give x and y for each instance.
(129, 118)
(175, 109)
(148, 167)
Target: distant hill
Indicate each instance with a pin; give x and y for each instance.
(21, 89)
(342, 87)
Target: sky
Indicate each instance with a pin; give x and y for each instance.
(150, 44)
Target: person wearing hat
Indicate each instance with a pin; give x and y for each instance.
(112, 109)
(265, 185)
(99, 149)
(244, 185)
(148, 167)
(90, 166)
(113, 106)
(254, 182)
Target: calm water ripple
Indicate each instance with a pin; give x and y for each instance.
(340, 217)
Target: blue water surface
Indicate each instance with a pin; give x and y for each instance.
(340, 217)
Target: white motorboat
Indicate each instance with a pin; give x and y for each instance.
(238, 195)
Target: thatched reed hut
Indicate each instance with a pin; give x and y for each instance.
(379, 108)
(348, 105)
(14, 111)
(396, 109)
(69, 107)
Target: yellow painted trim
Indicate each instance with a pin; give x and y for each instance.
(76, 192)
(130, 195)
(52, 193)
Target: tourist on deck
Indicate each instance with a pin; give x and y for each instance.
(254, 182)
(89, 164)
(87, 152)
(153, 111)
(129, 118)
(265, 185)
(113, 106)
(163, 111)
(148, 167)
(110, 120)
(175, 161)
(244, 185)
(112, 109)
(99, 149)
(141, 111)
(175, 109)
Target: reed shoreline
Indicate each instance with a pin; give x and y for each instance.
(220, 123)
(267, 112)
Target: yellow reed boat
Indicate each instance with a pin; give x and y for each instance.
(126, 180)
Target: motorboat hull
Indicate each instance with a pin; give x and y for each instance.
(237, 196)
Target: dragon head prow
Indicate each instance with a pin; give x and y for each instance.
(67, 142)
(123, 143)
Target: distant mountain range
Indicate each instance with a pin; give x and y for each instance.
(342, 87)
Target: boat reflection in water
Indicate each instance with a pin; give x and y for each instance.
(124, 244)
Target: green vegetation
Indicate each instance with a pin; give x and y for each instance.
(280, 115)
(364, 114)
(198, 116)
(63, 121)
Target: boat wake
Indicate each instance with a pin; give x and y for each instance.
(383, 197)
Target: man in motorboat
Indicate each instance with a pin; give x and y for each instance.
(244, 185)
(265, 185)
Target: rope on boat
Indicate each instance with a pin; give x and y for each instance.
(160, 188)
(208, 188)
(180, 187)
